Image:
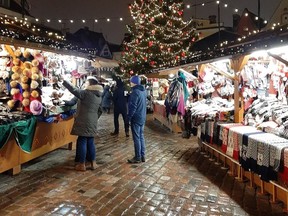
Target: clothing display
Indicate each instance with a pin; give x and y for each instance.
(257, 151)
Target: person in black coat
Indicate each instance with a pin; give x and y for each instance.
(106, 99)
(120, 107)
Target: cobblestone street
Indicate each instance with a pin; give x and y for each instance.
(176, 179)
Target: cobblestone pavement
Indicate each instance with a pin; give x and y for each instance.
(175, 180)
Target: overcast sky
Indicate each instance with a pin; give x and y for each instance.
(114, 9)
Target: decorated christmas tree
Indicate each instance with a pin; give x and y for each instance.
(159, 37)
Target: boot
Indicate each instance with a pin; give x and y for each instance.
(93, 165)
(80, 167)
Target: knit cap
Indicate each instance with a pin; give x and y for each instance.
(136, 80)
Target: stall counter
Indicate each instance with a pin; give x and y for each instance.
(48, 137)
(159, 114)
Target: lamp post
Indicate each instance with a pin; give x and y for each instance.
(218, 6)
(259, 14)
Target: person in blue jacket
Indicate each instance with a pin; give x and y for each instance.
(137, 118)
(120, 107)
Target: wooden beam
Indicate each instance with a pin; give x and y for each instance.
(279, 58)
(227, 75)
(238, 63)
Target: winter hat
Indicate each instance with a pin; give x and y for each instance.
(136, 80)
(36, 107)
(92, 78)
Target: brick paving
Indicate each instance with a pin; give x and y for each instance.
(176, 179)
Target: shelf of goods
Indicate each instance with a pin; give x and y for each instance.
(260, 157)
(159, 113)
(47, 137)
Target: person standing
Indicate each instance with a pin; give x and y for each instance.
(106, 99)
(86, 119)
(120, 107)
(137, 118)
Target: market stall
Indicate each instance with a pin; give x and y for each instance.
(34, 119)
(254, 144)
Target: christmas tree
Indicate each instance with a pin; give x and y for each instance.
(159, 37)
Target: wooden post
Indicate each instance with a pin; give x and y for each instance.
(237, 64)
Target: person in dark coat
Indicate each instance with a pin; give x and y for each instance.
(137, 118)
(86, 119)
(106, 99)
(120, 107)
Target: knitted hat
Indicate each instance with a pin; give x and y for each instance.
(136, 80)
(36, 107)
(92, 78)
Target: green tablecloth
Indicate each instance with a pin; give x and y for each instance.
(23, 131)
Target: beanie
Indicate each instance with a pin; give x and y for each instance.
(92, 78)
(136, 80)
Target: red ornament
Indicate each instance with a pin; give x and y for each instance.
(153, 31)
(169, 49)
(145, 58)
(177, 57)
(152, 63)
(150, 43)
(180, 13)
(193, 39)
(131, 72)
(152, 19)
(183, 54)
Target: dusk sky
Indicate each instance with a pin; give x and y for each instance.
(77, 10)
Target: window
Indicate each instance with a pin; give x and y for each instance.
(5, 3)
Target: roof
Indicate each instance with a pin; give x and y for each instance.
(261, 41)
(209, 42)
(254, 20)
(279, 15)
(88, 39)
